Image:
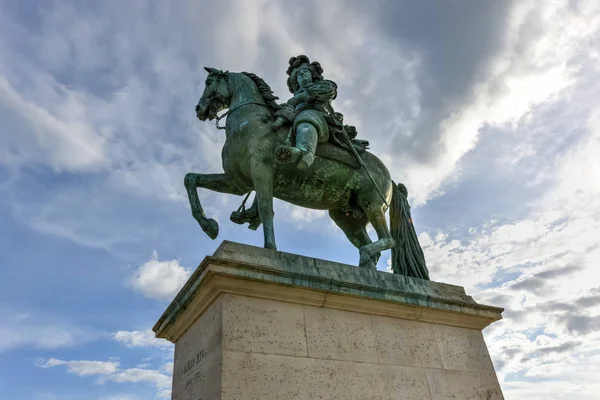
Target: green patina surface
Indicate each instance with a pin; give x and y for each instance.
(253, 263)
(303, 153)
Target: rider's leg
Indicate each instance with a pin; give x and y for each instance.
(303, 154)
(306, 142)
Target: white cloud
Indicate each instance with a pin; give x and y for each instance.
(526, 73)
(167, 368)
(82, 367)
(28, 330)
(160, 280)
(111, 371)
(543, 267)
(136, 375)
(164, 394)
(144, 338)
(133, 126)
(62, 142)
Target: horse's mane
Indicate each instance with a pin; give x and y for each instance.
(265, 91)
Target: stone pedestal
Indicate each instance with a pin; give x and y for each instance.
(255, 324)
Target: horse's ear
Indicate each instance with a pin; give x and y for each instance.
(226, 72)
(209, 70)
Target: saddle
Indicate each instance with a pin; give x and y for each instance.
(334, 152)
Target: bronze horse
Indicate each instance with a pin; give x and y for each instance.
(347, 192)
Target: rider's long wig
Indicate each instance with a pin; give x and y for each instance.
(295, 62)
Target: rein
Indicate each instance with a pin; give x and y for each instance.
(231, 110)
(222, 101)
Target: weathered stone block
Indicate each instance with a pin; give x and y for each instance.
(446, 384)
(197, 360)
(274, 377)
(405, 343)
(462, 349)
(382, 382)
(339, 335)
(255, 324)
(263, 326)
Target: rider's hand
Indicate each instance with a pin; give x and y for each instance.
(303, 96)
(299, 97)
(279, 121)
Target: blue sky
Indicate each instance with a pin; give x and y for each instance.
(487, 111)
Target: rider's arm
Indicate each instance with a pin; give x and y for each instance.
(322, 91)
(299, 97)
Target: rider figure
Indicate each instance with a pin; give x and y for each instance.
(312, 124)
(307, 110)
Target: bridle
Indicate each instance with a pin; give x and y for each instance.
(216, 96)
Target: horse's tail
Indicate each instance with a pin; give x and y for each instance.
(407, 255)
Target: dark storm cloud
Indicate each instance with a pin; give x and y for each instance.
(589, 301)
(574, 315)
(555, 273)
(510, 352)
(563, 348)
(537, 283)
(515, 315)
(453, 42)
(456, 41)
(581, 324)
(543, 352)
(531, 284)
(498, 299)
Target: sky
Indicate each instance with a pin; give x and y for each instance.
(486, 111)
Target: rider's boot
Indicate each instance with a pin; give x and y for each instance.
(303, 154)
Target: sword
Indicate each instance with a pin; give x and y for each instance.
(356, 155)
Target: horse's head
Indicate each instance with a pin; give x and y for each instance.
(216, 95)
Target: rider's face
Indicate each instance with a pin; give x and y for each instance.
(304, 77)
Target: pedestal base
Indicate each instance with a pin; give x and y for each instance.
(257, 324)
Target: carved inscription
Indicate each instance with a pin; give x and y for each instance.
(193, 379)
(195, 360)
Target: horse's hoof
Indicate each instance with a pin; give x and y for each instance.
(211, 227)
(368, 265)
(367, 261)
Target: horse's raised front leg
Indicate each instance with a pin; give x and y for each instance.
(262, 178)
(221, 183)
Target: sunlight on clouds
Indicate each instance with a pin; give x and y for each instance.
(159, 280)
(144, 338)
(543, 270)
(523, 75)
(62, 142)
(108, 98)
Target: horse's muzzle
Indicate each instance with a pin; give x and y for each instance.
(201, 112)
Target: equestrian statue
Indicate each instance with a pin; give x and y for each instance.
(302, 153)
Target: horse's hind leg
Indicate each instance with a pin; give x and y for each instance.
(354, 229)
(222, 183)
(385, 241)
